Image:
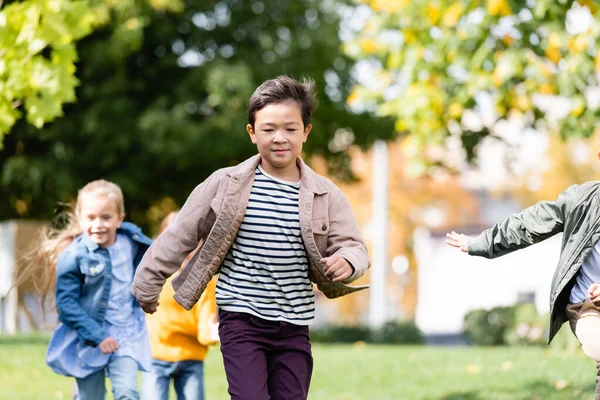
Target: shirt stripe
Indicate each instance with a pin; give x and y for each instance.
(265, 272)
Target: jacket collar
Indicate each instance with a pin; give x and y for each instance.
(89, 243)
(308, 178)
(127, 228)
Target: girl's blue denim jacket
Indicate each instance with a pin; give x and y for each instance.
(84, 276)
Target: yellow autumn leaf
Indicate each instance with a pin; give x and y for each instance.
(400, 126)
(409, 37)
(451, 56)
(168, 5)
(592, 5)
(498, 7)
(132, 24)
(497, 78)
(433, 13)
(503, 71)
(553, 54)
(578, 107)
(577, 44)
(452, 15)
(577, 110)
(554, 40)
(455, 110)
(353, 97)
(394, 60)
(474, 368)
(506, 365)
(369, 46)
(560, 384)
(390, 6)
(547, 88)
(545, 70)
(522, 103)
(508, 40)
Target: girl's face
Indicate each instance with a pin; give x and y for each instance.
(99, 218)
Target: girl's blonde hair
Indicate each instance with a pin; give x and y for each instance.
(39, 265)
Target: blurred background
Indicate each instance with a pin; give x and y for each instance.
(434, 116)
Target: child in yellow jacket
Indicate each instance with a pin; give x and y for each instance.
(179, 340)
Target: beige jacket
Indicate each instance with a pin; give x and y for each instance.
(215, 210)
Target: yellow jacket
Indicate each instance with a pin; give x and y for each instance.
(177, 334)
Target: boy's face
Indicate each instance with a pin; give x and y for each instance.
(279, 133)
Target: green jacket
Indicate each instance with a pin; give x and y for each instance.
(576, 213)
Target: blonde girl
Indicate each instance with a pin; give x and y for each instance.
(91, 262)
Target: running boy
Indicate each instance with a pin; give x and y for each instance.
(575, 293)
(270, 225)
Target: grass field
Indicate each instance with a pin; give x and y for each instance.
(349, 372)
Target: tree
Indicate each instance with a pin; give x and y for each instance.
(451, 71)
(159, 119)
(38, 53)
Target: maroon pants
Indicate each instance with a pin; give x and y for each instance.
(265, 359)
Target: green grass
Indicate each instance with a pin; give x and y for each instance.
(346, 372)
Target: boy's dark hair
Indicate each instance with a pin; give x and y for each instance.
(281, 89)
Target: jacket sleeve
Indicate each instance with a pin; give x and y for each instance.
(164, 257)
(345, 237)
(518, 231)
(206, 310)
(68, 292)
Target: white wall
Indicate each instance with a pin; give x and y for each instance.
(451, 283)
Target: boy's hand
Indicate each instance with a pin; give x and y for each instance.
(337, 268)
(594, 292)
(109, 345)
(458, 240)
(149, 308)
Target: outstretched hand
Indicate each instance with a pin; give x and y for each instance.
(458, 240)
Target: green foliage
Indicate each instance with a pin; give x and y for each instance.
(398, 332)
(38, 55)
(516, 325)
(340, 334)
(565, 341)
(162, 106)
(450, 61)
(487, 328)
(392, 332)
(528, 327)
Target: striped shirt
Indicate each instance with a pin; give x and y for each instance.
(265, 272)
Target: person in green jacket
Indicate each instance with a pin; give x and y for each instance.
(575, 292)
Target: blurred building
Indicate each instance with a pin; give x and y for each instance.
(20, 307)
(452, 283)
